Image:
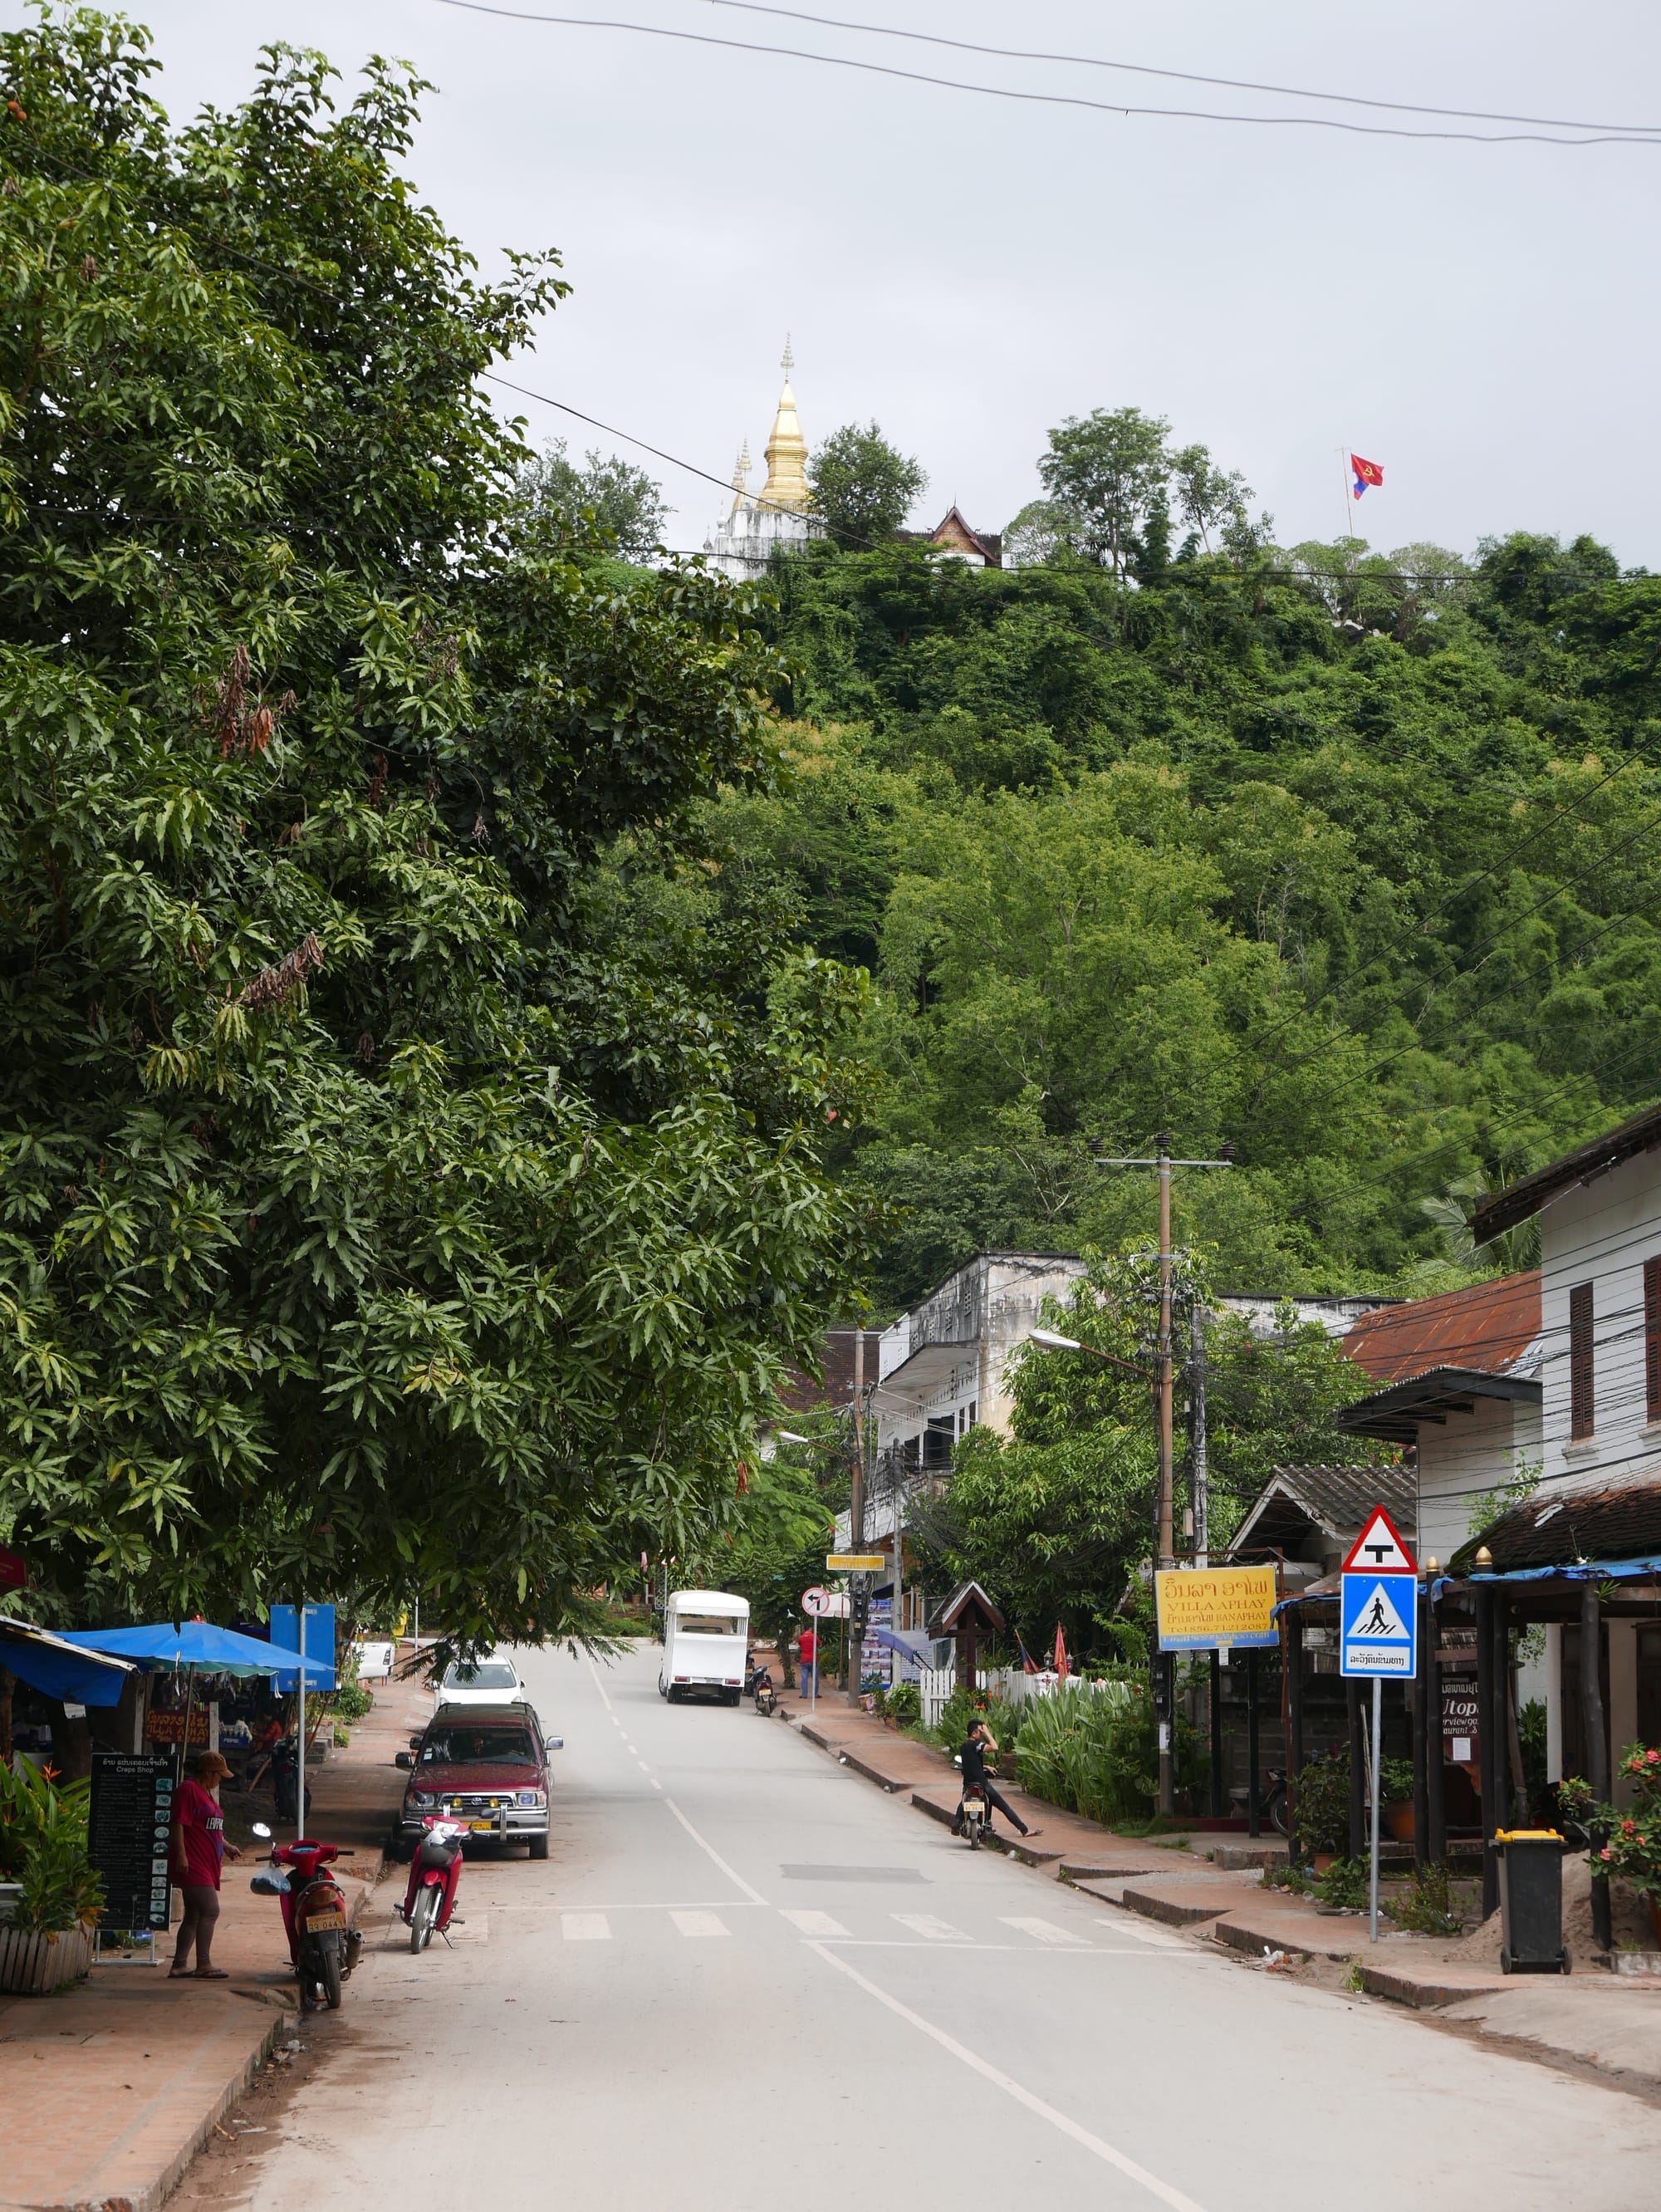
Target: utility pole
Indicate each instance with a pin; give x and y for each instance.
(1164, 1539)
(1199, 1471)
(858, 1584)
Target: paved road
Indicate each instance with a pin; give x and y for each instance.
(743, 1971)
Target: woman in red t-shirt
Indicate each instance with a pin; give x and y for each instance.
(197, 1847)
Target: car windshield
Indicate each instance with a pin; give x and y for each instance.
(480, 1674)
(709, 1623)
(479, 1747)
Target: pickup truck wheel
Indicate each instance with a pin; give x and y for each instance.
(539, 1846)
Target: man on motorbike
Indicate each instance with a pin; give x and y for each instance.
(973, 1759)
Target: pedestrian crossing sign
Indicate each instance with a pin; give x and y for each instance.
(1379, 1624)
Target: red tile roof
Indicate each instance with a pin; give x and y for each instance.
(1486, 1329)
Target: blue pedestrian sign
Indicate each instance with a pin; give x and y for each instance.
(1379, 1608)
(1379, 1625)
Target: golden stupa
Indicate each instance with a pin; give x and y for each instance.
(786, 452)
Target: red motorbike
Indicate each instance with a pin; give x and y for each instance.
(322, 1947)
(434, 1877)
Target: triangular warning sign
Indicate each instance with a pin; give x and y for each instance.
(1378, 1616)
(1379, 1549)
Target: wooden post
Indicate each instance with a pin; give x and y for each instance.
(1292, 1660)
(1424, 1747)
(1503, 1780)
(1217, 1802)
(1253, 1793)
(1352, 1694)
(1594, 1729)
(1436, 1771)
(1488, 1724)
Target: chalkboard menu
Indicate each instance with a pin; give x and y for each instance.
(130, 1813)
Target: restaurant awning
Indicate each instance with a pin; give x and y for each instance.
(60, 1666)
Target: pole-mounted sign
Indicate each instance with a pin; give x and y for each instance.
(1379, 1635)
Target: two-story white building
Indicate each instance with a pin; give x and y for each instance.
(1534, 1404)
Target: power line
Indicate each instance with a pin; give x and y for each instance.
(1045, 99)
(1182, 76)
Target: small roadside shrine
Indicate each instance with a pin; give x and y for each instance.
(970, 1619)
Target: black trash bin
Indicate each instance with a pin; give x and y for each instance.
(1532, 1901)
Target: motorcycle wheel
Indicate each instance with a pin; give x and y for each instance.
(422, 1919)
(332, 1979)
(1278, 1813)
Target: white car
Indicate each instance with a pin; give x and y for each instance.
(493, 1680)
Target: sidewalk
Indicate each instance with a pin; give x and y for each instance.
(107, 2089)
(1606, 2021)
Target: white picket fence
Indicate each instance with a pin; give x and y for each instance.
(1013, 1684)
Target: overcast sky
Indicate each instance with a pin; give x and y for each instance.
(1481, 320)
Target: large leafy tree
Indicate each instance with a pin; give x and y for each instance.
(862, 486)
(409, 1141)
(1107, 471)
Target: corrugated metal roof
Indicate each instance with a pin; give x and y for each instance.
(1336, 1500)
(1484, 1330)
(1618, 1521)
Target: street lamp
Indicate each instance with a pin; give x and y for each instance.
(1048, 1341)
(789, 1436)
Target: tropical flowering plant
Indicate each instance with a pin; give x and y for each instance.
(1631, 1835)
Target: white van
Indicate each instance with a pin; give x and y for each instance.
(706, 1646)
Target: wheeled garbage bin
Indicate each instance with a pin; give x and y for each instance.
(1532, 1901)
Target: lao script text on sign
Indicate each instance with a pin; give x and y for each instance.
(1379, 1625)
(1216, 1609)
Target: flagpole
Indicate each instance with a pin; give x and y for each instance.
(1344, 474)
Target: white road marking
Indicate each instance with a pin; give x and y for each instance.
(1160, 1939)
(641, 1763)
(699, 1923)
(710, 1851)
(1042, 1931)
(925, 1924)
(584, 1928)
(815, 1923)
(657, 1785)
(1094, 2144)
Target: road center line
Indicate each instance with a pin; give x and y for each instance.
(710, 1852)
(1012, 2088)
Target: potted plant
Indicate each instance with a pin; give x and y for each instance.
(1631, 1848)
(57, 1898)
(1396, 1798)
(1321, 1827)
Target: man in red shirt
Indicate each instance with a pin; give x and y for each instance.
(197, 1845)
(806, 1650)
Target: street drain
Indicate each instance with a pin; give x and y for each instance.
(850, 1873)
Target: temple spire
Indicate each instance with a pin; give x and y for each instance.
(787, 483)
(741, 477)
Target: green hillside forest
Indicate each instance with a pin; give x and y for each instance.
(1352, 861)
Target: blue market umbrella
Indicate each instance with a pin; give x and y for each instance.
(180, 1647)
(58, 1667)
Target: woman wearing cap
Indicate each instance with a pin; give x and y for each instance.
(198, 1845)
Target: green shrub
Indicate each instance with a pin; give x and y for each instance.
(1322, 1821)
(904, 1705)
(43, 1846)
(966, 1705)
(1092, 1751)
(351, 1702)
(1427, 1904)
(1344, 1882)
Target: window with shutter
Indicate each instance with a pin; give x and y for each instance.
(1581, 1417)
(1652, 1338)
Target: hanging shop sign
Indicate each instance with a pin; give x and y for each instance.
(1216, 1609)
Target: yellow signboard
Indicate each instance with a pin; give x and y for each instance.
(855, 1562)
(1216, 1609)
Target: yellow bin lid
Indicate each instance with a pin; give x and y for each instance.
(1526, 1836)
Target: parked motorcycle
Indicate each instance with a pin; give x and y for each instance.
(1275, 1806)
(436, 1869)
(322, 1946)
(285, 1781)
(767, 1700)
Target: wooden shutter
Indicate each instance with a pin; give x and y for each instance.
(1652, 1338)
(1581, 1419)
